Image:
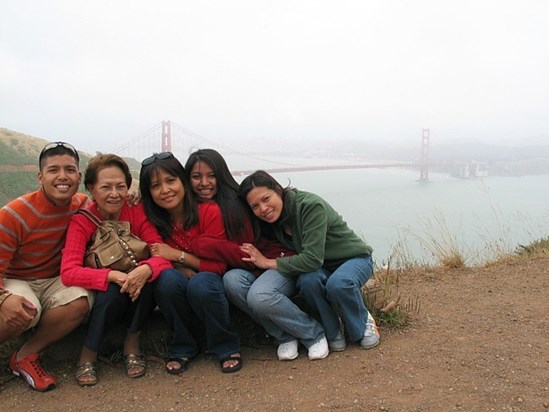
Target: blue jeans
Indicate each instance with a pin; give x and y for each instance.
(327, 292)
(267, 300)
(110, 306)
(206, 296)
(237, 283)
(170, 292)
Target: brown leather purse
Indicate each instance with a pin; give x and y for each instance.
(113, 245)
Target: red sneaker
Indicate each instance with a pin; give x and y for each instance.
(32, 372)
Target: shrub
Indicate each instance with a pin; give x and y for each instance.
(535, 248)
(382, 298)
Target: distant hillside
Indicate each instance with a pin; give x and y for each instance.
(527, 159)
(19, 164)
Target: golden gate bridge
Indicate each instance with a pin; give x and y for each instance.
(168, 136)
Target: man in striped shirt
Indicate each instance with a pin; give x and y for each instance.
(32, 235)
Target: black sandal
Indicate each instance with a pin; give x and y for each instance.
(230, 369)
(183, 362)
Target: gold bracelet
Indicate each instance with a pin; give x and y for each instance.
(4, 295)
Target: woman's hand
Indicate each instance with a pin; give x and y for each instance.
(187, 272)
(257, 258)
(136, 280)
(115, 276)
(133, 198)
(165, 251)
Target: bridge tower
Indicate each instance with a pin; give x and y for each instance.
(166, 136)
(424, 161)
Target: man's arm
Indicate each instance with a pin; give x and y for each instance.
(16, 314)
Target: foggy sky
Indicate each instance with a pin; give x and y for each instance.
(99, 73)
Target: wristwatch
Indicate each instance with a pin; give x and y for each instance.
(182, 257)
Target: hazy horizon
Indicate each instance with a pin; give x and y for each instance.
(102, 73)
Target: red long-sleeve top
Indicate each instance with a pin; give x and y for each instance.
(79, 234)
(229, 251)
(210, 225)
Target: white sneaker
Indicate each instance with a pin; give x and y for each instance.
(371, 334)
(319, 349)
(288, 350)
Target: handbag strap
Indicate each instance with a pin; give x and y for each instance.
(90, 216)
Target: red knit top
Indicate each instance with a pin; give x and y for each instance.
(229, 251)
(81, 229)
(210, 224)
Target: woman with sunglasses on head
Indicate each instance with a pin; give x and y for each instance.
(118, 295)
(169, 205)
(331, 265)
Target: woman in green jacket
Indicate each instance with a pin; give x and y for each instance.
(329, 268)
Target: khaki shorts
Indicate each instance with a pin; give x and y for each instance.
(47, 294)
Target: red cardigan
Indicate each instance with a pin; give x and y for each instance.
(210, 225)
(229, 251)
(81, 229)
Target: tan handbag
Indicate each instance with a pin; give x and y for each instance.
(113, 245)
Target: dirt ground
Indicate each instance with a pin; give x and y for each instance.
(479, 343)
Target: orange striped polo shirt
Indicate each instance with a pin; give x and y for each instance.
(32, 235)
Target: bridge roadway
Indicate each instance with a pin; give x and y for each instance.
(328, 167)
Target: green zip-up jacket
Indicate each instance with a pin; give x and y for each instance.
(320, 236)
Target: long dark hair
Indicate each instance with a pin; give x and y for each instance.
(157, 215)
(233, 210)
(261, 178)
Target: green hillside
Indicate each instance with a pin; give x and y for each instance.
(19, 164)
(18, 148)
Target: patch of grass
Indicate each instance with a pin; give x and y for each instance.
(401, 256)
(382, 298)
(447, 248)
(437, 246)
(496, 243)
(539, 247)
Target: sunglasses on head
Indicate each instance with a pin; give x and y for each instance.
(54, 145)
(155, 157)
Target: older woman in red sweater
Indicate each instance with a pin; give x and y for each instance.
(118, 294)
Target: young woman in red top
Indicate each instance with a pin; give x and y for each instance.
(212, 181)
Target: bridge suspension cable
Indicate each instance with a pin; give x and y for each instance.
(225, 149)
(132, 142)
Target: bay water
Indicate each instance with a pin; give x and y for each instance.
(396, 214)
